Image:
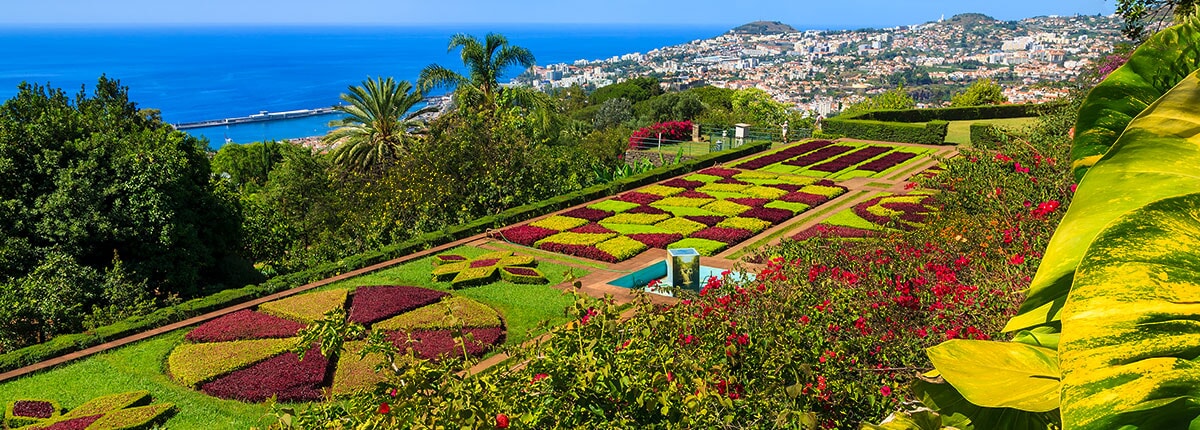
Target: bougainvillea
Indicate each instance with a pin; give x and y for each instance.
(375, 303)
(242, 325)
(669, 132)
(285, 376)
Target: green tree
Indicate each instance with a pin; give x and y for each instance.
(893, 99)
(635, 89)
(982, 92)
(380, 124)
(250, 164)
(613, 112)
(485, 61)
(757, 107)
(1140, 14)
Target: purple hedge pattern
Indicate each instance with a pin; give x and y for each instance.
(639, 198)
(750, 201)
(657, 240)
(771, 215)
(791, 188)
(589, 214)
(827, 183)
(682, 183)
(523, 271)
(80, 423)
(784, 154)
(592, 228)
(484, 263)
(719, 171)
(823, 230)
(526, 234)
(373, 304)
(694, 195)
(806, 198)
(722, 234)
(435, 344)
(646, 209)
(732, 181)
(285, 376)
(33, 409)
(818, 156)
(887, 162)
(841, 163)
(585, 251)
(708, 220)
(244, 325)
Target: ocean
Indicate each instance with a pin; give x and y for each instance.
(204, 73)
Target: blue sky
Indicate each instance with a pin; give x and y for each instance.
(800, 13)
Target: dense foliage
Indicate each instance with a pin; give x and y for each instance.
(982, 92)
(106, 210)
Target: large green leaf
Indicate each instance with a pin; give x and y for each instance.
(1000, 374)
(1156, 66)
(1157, 157)
(1131, 328)
(954, 408)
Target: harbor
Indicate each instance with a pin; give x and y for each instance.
(258, 117)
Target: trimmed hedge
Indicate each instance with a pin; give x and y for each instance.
(68, 343)
(985, 136)
(926, 126)
(30, 411)
(133, 418)
(306, 308)
(469, 313)
(930, 133)
(193, 363)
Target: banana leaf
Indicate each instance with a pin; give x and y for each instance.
(954, 408)
(1000, 374)
(1131, 328)
(1158, 156)
(1153, 69)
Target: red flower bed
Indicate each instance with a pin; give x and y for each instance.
(822, 230)
(639, 198)
(671, 132)
(588, 214)
(74, 423)
(585, 251)
(784, 154)
(708, 220)
(484, 263)
(771, 215)
(522, 271)
(818, 156)
(644, 209)
(33, 409)
(284, 376)
(720, 171)
(906, 207)
(592, 228)
(682, 183)
(373, 304)
(657, 240)
(827, 183)
(806, 198)
(722, 234)
(862, 212)
(694, 195)
(887, 162)
(242, 325)
(750, 201)
(732, 181)
(434, 344)
(851, 159)
(786, 187)
(526, 234)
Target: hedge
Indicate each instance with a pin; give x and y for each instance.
(930, 133)
(985, 136)
(68, 343)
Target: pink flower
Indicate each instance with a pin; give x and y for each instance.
(1016, 259)
(501, 421)
(384, 408)
(538, 377)
(885, 390)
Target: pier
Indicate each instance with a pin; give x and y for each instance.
(258, 117)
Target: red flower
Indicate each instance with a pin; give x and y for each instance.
(885, 390)
(501, 421)
(539, 377)
(1016, 259)
(384, 408)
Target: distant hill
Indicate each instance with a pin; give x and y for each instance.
(763, 27)
(971, 18)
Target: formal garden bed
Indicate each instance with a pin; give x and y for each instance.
(122, 411)
(839, 160)
(882, 213)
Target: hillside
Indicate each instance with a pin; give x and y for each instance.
(763, 27)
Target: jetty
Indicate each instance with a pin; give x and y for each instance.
(258, 117)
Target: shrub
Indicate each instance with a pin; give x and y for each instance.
(703, 178)
(792, 207)
(721, 234)
(657, 240)
(726, 207)
(719, 171)
(693, 195)
(29, 411)
(574, 239)
(522, 275)
(307, 307)
(705, 247)
(890, 160)
(722, 188)
(76, 423)
(242, 325)
(628, 229)
(447, 272)
(628, 218)
(133, 418)
(526, 234)
(646, 209)
(750, 201)
(683, 202)
(589, 214)
(686, 212)
(823, 190)
(516, 260)
(707, 220)
(559, 223)
(660, 190)
(285, 377)
(681, 225)
(355, 372)
(806, 198)
(618, 205)
(447, 258)
(828, 231)
(751, 224)
(191, 364)
(819, 156)
(930, 133)
(674, 131)
(375, 303)
(621, 247)
(104, 404)
(853, 158)
(791, 188)
(783, 154)
(474, 276)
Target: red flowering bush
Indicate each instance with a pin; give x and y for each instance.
(671, 132)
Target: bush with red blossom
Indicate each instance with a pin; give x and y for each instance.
(670, 132)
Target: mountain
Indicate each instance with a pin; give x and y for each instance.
(971, 18)
(763, 27)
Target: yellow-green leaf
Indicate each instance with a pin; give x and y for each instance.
(1000, 374)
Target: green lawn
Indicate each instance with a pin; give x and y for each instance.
(959, 132)
(140, 366)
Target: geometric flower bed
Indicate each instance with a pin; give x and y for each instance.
(118, 411)
(247, 355)
(709, 210)
(884, 212)
(842, 160)
(463, 272)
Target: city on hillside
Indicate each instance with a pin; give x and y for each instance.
(820, 71)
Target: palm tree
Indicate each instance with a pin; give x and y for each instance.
(378, 127)
(485, 61)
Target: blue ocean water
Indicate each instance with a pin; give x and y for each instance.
(202, 73)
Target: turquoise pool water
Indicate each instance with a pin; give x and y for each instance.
(658, 271)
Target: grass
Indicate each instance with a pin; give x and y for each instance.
(959, 132)
(136, 367)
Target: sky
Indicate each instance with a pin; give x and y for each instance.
(799, 13)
